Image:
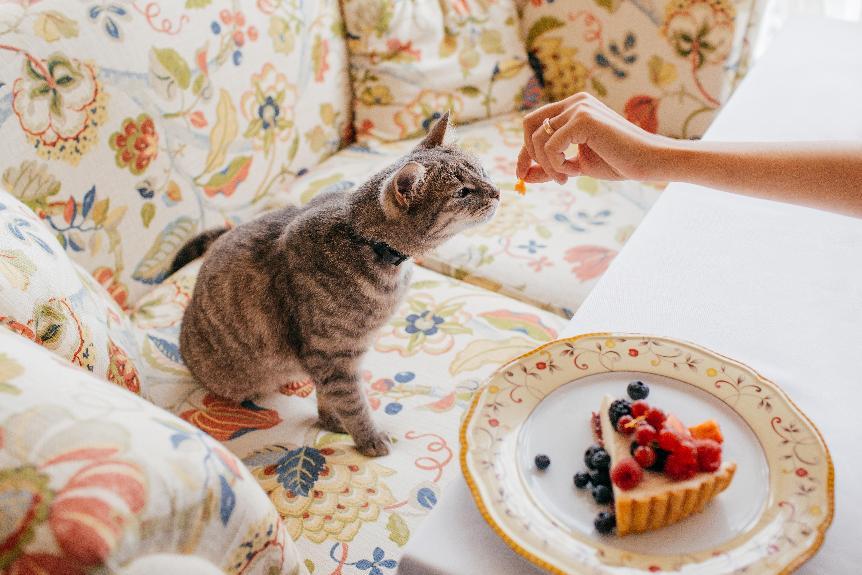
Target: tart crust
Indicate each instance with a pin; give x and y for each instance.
(658, 501)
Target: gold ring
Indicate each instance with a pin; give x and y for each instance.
(547, 125)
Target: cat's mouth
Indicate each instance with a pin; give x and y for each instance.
(487, 212)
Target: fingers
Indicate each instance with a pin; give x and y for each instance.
(524, 161)
(540, 138)
(536, 175)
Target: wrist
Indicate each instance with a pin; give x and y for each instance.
(672, 159)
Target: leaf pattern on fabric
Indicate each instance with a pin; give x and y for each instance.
(154, 266)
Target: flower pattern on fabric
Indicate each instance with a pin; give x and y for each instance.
(470, 47)
(59, 105)
(226, 420)
(88, 494)
(423, 325)
(667, 66)
(136, 144)
(267, 108)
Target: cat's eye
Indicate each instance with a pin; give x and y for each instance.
(464, 192)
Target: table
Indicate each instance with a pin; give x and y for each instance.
(775, 286)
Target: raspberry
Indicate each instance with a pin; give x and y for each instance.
(686, 450)
(656, 417)
(639, 408)
(638, 390)
(645, 434)
(645, 456)
(708, 454)
(605, 522)
(618, 408)
(627, 474)
(668, 440)
(679, 468)
(623, 425)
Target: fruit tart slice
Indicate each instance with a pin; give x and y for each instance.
(660, 471)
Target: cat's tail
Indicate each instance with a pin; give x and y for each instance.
(195, 248)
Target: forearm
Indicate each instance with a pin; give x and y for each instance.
(825, 175)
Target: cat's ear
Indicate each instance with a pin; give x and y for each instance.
(401, 188)
(436, 134)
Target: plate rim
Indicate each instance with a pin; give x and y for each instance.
(473, 487)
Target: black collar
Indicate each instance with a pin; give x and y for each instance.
(384, 252)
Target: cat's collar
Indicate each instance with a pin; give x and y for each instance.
(385, 252)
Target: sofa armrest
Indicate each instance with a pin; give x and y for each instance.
(93, 477)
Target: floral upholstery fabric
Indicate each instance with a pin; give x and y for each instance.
(412, 60)
(348, 513)
(92, 478)
(547, 248)
(130, 126)
(48, 299)
(666, 65)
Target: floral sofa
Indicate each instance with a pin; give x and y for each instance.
(128, 126)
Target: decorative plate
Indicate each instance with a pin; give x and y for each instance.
(771, 519)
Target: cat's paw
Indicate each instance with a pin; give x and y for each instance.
(330, 423)
(376, 445)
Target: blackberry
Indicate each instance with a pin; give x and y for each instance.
(638, 390)
(603, 494)
(542, 462)
(588, 455)
(600, 477)
(600, 460)
(619, 408)
(582, 479)
(660, 458)
(605, 522)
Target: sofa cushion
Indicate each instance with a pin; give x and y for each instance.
(164, 118)
(343, 509)
(51, 300)
(93, 478)
(412, 60)
(667, 66)
(547, 248)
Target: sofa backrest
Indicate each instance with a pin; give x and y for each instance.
(130, 126)
(666, 65)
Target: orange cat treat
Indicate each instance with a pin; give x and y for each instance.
(521, 187)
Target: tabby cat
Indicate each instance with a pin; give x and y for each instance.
(300, 292)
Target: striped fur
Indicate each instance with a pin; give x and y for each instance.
(293, 294)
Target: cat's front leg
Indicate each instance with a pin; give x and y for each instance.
(339, 394)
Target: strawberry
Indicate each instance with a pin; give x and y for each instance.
(627, 474)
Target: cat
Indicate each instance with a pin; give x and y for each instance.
(300, 292)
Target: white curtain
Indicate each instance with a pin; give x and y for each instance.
(777, 12)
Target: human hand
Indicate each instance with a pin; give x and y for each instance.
(609, 146)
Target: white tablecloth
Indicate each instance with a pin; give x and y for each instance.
(775, 286)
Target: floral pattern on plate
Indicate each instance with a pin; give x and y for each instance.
(801, 476)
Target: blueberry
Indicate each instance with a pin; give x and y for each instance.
(588, 455)
(638, 390)
(605, 522)
(542, 462)
(600, 477)
(582, 479)
(602, 494)
(601, 460)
